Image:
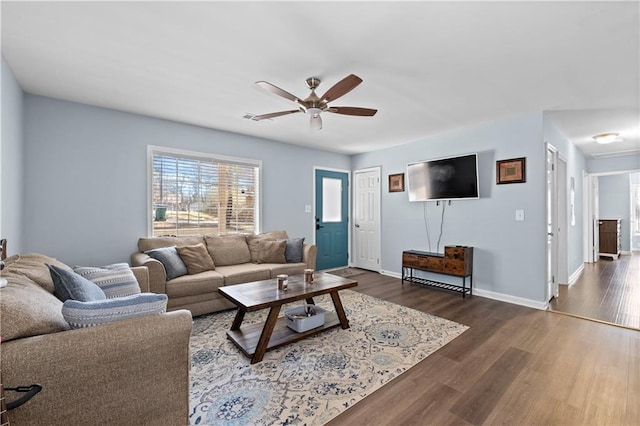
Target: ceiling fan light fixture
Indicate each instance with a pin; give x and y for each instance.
(605, 138)
(315, 122)
(314, 112)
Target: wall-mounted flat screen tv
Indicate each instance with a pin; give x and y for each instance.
(443, 179)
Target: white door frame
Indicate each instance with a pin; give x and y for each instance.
(563, 221)
(590, 205)
(377, 169)
(551, 203)
(590, 213)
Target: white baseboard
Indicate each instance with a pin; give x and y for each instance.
(576, 274)
(391, 274)
(511, 299)
(492, 295)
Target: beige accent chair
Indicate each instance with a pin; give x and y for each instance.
(131, 372)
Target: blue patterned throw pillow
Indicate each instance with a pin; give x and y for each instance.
(115, 280)
(69, 285)
(87, 314)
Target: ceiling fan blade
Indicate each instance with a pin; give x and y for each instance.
(362, 112)
(278, 91)
(316, 122)
(274, 114)
(341, 88)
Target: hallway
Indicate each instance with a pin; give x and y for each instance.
(607, 291)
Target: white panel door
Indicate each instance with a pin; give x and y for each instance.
(552, 224)
(367, 219)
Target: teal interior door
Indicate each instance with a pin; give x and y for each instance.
(332, 190)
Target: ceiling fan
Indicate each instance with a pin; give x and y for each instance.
(314, 105)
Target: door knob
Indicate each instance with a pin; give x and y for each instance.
(357, 226)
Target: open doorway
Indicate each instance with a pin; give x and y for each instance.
(608, 290)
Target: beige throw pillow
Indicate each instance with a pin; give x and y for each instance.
(270, 251)
(254, 240)
(196, 258)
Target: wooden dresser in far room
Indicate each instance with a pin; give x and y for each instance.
(609, 237)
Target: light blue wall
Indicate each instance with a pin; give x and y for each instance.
(11, 162)
(85, 196)
(576, 167)
(615, 203)
(614, 164)
(509, 256)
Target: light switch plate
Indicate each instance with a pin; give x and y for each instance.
(307, 208)
(519, 215)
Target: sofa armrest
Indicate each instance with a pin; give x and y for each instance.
(134, 371)
(142, 276)
(309, 254)
(157, 274)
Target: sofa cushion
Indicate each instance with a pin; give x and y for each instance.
(150, 243)
(254, 240)
(270, 251)
(294, 251)
(33, 266)
(244, 273)
(228, 249)
(196, 258)
(85, 314)
(188, 285)
(69, 285)
(286, 268)
(115, 280)
(27, 309)
(170, 259)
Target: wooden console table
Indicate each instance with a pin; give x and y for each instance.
(456, 261)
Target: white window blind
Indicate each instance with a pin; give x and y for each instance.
(195, 194)
(636, 208)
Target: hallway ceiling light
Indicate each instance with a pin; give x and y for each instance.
(604, 138)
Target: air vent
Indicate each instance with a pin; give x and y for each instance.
(250, 116)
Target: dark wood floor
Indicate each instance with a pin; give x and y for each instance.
(608, 290)
(514, 366)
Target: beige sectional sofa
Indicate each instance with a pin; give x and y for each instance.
(236, 258)
(134, 371)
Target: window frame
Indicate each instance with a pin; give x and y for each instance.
(155, 149)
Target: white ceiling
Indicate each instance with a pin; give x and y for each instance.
(428, 67)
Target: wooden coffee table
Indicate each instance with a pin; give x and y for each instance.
(254, 340)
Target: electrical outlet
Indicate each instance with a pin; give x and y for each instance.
(519, 215)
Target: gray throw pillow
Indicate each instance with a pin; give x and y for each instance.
(86, 314)
(69, 285)
(294, 250)
(169, 257)
(115, 280)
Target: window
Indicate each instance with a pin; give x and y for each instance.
(194, 193)
(635, 199)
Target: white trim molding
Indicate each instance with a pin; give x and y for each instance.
(576, 274)
(535, 304)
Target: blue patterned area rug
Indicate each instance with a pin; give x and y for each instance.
(311, 381)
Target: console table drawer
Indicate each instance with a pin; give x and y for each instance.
(427, 263)
(458, 260)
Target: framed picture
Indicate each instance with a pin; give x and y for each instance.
(511, 171)
(396, 182)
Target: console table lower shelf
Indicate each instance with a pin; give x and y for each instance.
(456, 261)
